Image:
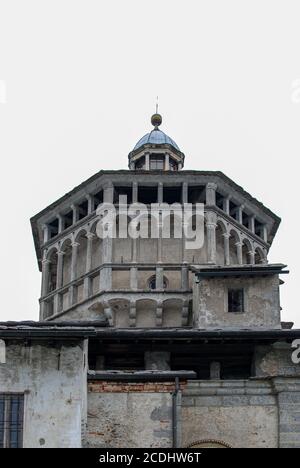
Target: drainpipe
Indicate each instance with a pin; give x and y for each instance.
(175, 413)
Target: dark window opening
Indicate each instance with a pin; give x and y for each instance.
(53, 228)
(119, 191)
(258, 228)
(236, 300)
(68, 219)
(147, 195)
(83, 209)
(173, 166)
(172, 195)
(197, 194)
(152, 283)
(11, 420)
(98, 198)
(233, 210)
(157, 162)
(140, 164)
(220, 200)
(246, 220)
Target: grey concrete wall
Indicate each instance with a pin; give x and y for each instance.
(53, 380)
(262, 307)
(243, 414)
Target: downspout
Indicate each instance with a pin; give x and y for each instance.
(175, 413)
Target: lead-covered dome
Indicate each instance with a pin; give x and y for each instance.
(156, 151)
(156, 137)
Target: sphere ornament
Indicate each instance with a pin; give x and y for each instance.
(156, 120)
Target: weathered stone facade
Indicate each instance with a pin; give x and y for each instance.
(143, 342)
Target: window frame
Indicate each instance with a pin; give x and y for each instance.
(235, 290)
(11, 428)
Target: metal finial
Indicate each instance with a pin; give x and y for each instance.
(156, 119)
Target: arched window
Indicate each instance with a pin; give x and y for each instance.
(152, 283)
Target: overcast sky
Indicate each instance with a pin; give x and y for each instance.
(78, 84)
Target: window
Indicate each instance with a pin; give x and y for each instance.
(140, 164)
(157, 162)
(173, 165)
(236, 300)
(11, 420)
(152, 283)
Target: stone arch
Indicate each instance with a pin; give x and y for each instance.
(246, 249)
(172, 313)
(146, 313)
(234, 239)
(209, 443)
(259, 256)
(120, 312)
(151, 282)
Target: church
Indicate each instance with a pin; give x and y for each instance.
(150, 340)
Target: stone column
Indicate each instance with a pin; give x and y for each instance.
(132, 314)
(159, 278)
(226, 205)
(240, 214)
(265, 233)
(61, 223)
(160, 192)
(73, 289)
(107, 246)
(226, 237)
(91, 203)
(251, 254)
(185, 315)
(252, 224)
(211, 226)
(239, 247)
(90, 237)
(184, 278)
(147, 161)
(185, 188)
(167, 162)
(46, 233)
(159, 313)
(45, 276)
(133, 278)
(75, 213)
(211, 193)
(60, 266)
(87, 280)
(134, 192)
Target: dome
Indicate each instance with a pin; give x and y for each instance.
(156, 137)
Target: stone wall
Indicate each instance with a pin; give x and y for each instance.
(129, 415)
(53, 381)
(261, 303)
(243, 414)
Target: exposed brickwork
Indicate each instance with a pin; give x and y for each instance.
(126, 387)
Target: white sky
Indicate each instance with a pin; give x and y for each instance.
(81, 83)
